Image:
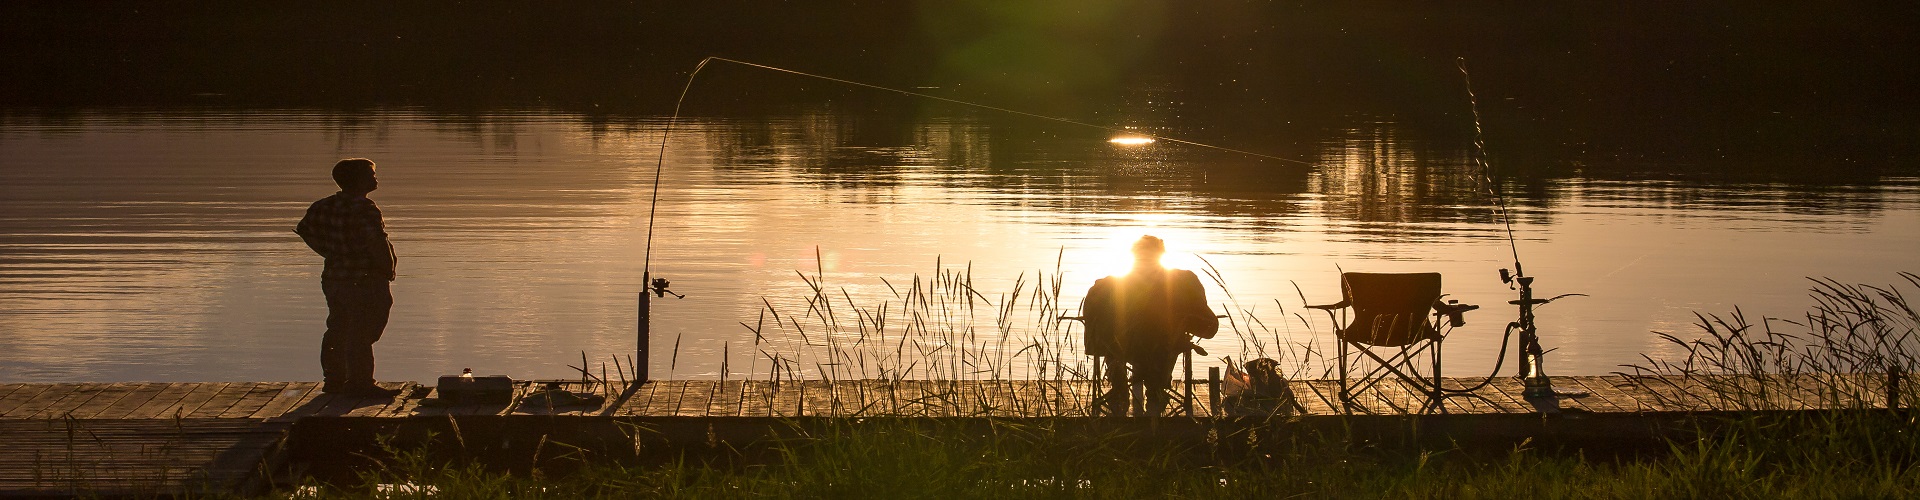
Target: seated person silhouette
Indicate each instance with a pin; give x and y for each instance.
(1143, 321)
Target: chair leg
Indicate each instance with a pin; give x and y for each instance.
(1186, 360)
(1346, 398)
(1439, 397)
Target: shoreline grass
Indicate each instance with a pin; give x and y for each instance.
(1840, 455)
(1860, 450)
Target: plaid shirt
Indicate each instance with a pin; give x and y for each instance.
(348, 232)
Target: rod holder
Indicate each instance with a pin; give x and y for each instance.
(645, 341)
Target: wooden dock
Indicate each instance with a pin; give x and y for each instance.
(156, 438)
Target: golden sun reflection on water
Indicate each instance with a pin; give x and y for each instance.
(1131, 140)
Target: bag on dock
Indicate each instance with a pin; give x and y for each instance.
(1260, 390)
(491, 389)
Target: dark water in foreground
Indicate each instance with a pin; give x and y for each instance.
(149, 178)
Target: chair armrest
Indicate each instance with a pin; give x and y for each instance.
(1329, 307)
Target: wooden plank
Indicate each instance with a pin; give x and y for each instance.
(637, 405)
(223, 400)
(726, 399)
(675, 394)
(817, 398)
(904, 398)
(852, 396)
(1470, 403)
(813, 399)
(53, 394)
(310, 403)
(1020, 401)
(20, 396)
(1416, 399)
(109, 395)
(1664, 392)
(873, 397)
(1080, 395)
(407, 404)
(1585, 402)
(754, 398)
(1603, 396)
(784, 399)
(1502, 402)
(1508, 394)
(1393, 394)
(141, 394)
(1644, 398)
(1312, 400)
(942, 398)
(288, 397)
(255, 398)
(1036, 398)
(72, 401)
(375, 406)
(192, 400)
(988, 398)
(169, 395)
(696, 400)
(663, 396)
(336, 404)
(1026, 398)
(6, 389)
(434, 410)
(1031, 398)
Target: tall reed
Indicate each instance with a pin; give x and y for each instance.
(1852, 349)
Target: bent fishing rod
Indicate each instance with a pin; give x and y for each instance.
(667, 133)
(658, 286)
(1531, 358)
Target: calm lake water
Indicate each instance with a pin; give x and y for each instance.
(144, 245)
(1664, 158)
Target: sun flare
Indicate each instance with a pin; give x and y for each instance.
(1131, 140)
(1116, 258)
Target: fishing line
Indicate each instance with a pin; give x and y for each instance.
(653, 204)
(661, 161)
(1480, 159)
(1500, 204)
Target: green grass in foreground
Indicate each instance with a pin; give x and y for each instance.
(1859, 455)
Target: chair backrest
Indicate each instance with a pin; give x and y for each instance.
(1389, 309)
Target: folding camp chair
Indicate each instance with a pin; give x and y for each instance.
(1400, 316)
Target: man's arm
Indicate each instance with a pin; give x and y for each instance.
(1196, 316)
(1096, 312)
(371, 237)
(305, 230)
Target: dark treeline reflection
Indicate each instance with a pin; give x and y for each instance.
(1710, 92)
(1373, 173)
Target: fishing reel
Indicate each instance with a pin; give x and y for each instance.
(659, 287)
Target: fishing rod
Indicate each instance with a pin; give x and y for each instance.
(660, 161)
(658, 286)
(1531, 358)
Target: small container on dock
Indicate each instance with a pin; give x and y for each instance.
(468, 389)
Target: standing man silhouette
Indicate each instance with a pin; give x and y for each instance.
(1143, 320)
(346, 229)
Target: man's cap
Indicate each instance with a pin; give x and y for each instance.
(1149, 244)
